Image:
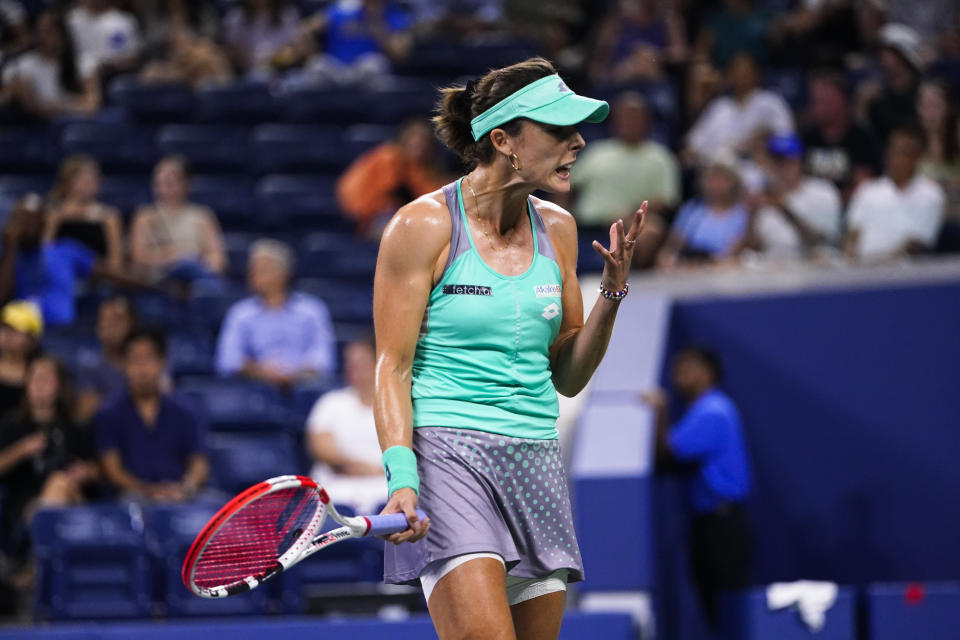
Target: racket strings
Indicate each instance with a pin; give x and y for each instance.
(253, 538)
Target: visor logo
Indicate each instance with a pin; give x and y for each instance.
(562, 86)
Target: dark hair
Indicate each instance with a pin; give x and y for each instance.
(458, 105)
(153, 335)
(707, 357)
(179, 160)
(912, 131)
(64, 402)
(834, 78)
(69, 74)
(126, 302)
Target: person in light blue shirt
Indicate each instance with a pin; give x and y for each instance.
(707, 443)
(710, 228)
(277, 337)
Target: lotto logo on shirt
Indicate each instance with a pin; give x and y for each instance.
(466, 290)
(547, 290)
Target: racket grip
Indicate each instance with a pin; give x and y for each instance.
(389, 523)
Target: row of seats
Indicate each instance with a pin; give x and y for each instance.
(108, 561)
(888, 611)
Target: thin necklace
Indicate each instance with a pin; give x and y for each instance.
(476, 204)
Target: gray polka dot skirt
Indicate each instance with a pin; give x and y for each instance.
(489, 493)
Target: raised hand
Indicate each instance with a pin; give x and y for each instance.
(618, 258)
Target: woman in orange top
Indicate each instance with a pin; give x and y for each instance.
(380, 180)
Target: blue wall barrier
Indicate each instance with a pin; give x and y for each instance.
(576, 626)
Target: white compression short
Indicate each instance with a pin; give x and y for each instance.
(518, 589)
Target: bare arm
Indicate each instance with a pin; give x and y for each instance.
(140, 253)
(198, 468)
(579, 347)
(118, 476)
(411, 248)
(114, 233)
(214, 255)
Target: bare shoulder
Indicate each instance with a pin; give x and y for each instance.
(421, 226)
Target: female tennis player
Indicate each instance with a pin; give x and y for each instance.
(479, 323)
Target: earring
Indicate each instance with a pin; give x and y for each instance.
(515, 162)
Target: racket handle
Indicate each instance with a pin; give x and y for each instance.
(389, 523)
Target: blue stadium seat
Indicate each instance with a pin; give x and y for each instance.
(26, 148)
(359, 138)
(235, 405)
(340, 105)
(190, 353)
(746, 616)
(170, 530)
(119, 147)
(68, 347)
(237, 245)
(91, 562)
(151, 102)
(791, 84)
(125, 192)
(240, 461)
(289, 199)
(243, 101)
(211, 148)
(303, 148)
(230, 197)
(402, 98)
(337, 256)
(928, 611)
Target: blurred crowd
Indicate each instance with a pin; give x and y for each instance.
(761, 132)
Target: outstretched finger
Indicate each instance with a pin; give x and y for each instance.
(636, 225)
(606, 255)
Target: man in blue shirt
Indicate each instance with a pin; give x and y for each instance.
(151, 444)
(708, 443)
(275, 336)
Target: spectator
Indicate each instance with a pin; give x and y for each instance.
(735, 27)
(47, 82)
(151, 444)
(613, 177)
(359, 42)
(342, 437)
(75, 212)
(380, 180)
(900, 213)
(941, 127)
(107, 39)
(730, 122)
(462, 18)
(812, 34)
(635, 39)
(20, 329)
(46, 459)
(838, 149)
(188, 59)
(100, 373)
(276, 336)
(709, 436)
(796, 213)
(709, 229)
(14, 34)
(892, 103)
(174, 237)
(258, 30)
(47, 273)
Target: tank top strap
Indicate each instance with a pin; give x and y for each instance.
(544, 245)
(459, 242)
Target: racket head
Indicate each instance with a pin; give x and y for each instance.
(255, 536)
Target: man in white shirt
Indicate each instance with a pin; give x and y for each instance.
(900, 213)
(730, 121)
(107, 39)
(342, 437)
(797, 213)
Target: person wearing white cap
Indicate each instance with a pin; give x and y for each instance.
(902, 64)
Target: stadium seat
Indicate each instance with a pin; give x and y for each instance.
(126, 193)
(304, 148)
(91, 563)
(170, 530)
(211, 148)
(190, 353)
(928, 611)
(337, 257)
(230, 197)
(119, 147)
(151, 102)
(746, 616)
(246, 102)
(359, 138)
(401, 98)
(238, 461)
(284, 199)
(26, 148)
(340, 105)
(235, 405)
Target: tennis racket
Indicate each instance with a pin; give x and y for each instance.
(267, 529)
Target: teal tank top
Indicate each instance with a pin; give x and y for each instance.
(482, 359)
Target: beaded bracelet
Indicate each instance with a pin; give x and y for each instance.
(616, 296)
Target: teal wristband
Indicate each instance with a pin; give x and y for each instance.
(400, 465)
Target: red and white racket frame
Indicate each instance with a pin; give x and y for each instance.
(306, 545)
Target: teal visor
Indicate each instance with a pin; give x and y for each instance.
(548, 100)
